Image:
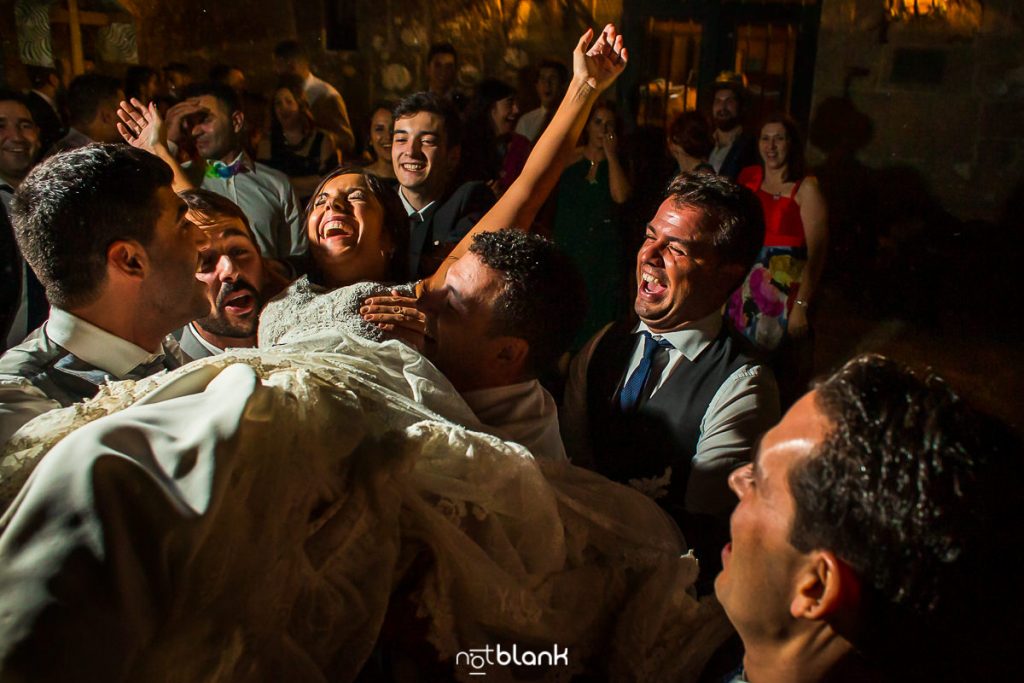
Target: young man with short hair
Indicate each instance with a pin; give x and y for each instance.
(552, 77)
(92, 103)
(499, 324)
(217, 122)
(425, 150)
(108, 238)
(442, 73)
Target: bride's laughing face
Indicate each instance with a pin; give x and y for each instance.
(345, 230)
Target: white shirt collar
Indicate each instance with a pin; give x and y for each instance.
(691, 338)
(482, 400)
(523, 412)
(94, 345)
(409, 208)
(215, 350)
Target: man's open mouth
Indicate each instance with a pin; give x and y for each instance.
(652, 284)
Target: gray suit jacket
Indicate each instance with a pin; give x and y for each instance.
(191, 346)
(39, 375)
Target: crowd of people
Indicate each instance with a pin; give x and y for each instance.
(153, 224)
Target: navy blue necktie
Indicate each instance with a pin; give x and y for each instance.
(629, 397)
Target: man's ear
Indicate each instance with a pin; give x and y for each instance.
(825, 587)
(512, 353)
(237, 121)
(127, 259)
(108, 116)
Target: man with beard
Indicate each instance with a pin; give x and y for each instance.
(235, 276)
(734, 150)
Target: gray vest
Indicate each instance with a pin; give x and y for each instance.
(64, 377)
(664, 430)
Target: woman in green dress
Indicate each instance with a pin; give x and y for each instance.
(587, 222)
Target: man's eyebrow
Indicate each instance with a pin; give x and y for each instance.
(182, 210)
(402, 131)
(675, 240)
(234, 232)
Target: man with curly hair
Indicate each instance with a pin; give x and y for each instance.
(499, 323)
(867, 529)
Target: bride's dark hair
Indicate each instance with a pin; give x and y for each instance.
(395, 223)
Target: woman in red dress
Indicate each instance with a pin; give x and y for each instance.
(774, 302)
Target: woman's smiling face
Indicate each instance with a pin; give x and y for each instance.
(346, 231)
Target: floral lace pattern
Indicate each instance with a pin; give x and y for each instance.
(303, 483)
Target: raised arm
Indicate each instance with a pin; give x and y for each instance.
(142, 127)
(594, 70)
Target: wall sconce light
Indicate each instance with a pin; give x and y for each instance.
(959, 17)
(911, 9)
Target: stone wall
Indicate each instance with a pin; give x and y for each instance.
(494, 37)
(935, 103)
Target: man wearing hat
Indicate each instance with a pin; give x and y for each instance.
(734, 148)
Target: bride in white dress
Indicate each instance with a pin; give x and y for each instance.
(266, 514)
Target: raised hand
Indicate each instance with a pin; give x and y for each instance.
(176, 116)
(603, 62)
(141, 126)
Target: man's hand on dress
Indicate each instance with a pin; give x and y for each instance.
(398, 316)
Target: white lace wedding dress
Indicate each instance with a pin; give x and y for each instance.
(249, 517)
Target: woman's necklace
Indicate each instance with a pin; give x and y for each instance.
(592, 171)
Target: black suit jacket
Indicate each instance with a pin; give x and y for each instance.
(51, 127)
(743, 153)
(10, 277)
(445, 223)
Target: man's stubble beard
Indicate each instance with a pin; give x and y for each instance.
(214, 324)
